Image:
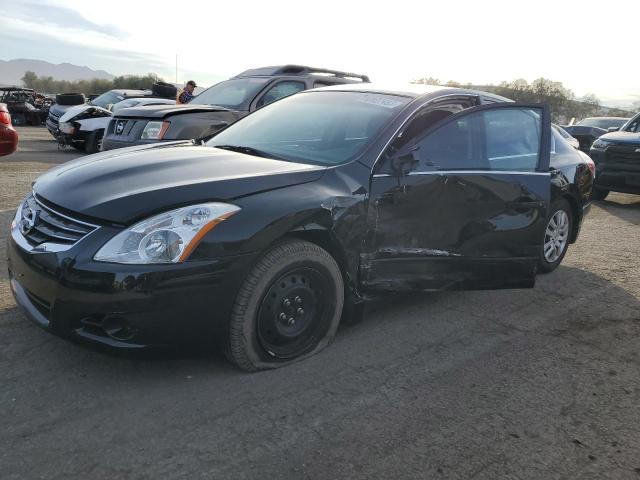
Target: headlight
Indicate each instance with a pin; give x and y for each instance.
(66, 127)
(601, 144)
(166, 238)
(155, 130)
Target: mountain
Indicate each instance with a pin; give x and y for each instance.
(11, 71)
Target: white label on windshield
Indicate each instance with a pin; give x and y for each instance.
(381, 100)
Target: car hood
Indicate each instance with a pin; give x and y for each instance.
(622, 137)
(79, 109)
(162, 111)
(125, 185)
(60, 110)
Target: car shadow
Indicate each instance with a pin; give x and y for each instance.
(624, 206)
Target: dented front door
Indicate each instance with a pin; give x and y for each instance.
(440, 226)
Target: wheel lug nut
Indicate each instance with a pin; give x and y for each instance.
(292, 320)
(300, 311)
(286, 302)
(298, 300)
(282, 316)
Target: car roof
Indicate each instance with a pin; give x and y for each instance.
(125, 92)
(16, 89)
(413, 90)
(604, 118)
(303, 70)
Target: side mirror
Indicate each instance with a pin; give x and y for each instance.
(613, 129)
(403, 163)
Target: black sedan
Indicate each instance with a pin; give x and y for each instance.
(617, 158)
(285, 222)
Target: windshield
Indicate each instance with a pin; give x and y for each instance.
(603, 122)
(323, 128)
(132, 102)
(236, 93)
(106, 99)
(633, 125)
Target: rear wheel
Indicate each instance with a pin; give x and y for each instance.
(288, 308)
(599, 193)
(556, 236)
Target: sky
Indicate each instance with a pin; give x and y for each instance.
(590, 47)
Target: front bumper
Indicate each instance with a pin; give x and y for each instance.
(124, 306)
(110, 143)
(616, 171)
(52, 127)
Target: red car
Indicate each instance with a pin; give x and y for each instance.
(8, 135)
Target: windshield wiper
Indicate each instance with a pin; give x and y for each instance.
(249, 151)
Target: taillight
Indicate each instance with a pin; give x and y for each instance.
(5, 118)
(592, 166)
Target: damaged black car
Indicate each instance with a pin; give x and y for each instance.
(264, 238)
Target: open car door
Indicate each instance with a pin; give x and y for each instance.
(461, 204)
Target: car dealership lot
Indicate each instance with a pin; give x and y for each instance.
(541, 383)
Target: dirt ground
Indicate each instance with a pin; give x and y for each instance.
(522, 384)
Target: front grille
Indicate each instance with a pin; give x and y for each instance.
(623, 153)
(121, 127)
(40, 224)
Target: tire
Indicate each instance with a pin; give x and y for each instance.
(561, 215)
(70, 99)
(269, 327)
(94, 142)
(164, 90)
(599, 193)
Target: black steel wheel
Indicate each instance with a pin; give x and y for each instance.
(288, 308)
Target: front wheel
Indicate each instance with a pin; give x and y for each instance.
(288, 307)
(556, 236)
(93, 144)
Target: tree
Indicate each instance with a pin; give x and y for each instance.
(88, 87)
(427, 81)
(29, 79)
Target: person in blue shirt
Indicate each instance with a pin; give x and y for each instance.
(187, 94)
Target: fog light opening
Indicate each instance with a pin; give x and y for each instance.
(117, 328)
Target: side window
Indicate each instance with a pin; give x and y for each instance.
(451, 147)
(512, 139)
(280, 90)
(499, 139)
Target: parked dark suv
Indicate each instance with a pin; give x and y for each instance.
(617, 158)
(218, 106)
